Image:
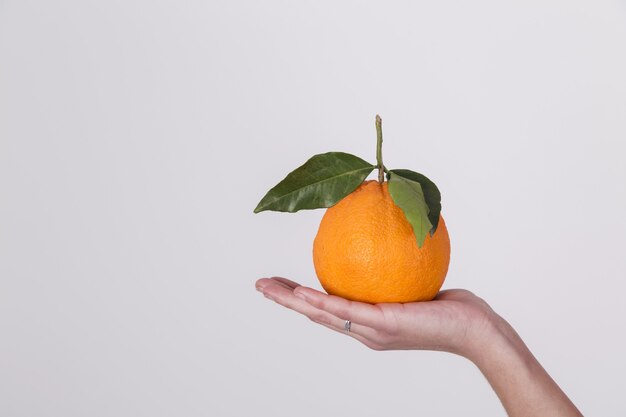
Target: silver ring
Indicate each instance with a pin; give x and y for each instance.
(347, 325)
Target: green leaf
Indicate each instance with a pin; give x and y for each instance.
(408, 195)
(431, 194)
(322, 181)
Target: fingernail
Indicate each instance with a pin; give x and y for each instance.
(269, 297)
(300, 296)
(259, 289)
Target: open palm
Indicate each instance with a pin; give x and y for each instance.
(442, 324)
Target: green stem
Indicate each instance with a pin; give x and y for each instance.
(379, 149)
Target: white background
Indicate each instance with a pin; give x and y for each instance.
(137, 137)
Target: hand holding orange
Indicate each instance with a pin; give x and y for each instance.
(379, 241)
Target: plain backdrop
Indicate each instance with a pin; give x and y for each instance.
(136, 137)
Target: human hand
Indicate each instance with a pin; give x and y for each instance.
(455, 321)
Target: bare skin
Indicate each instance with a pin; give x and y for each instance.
(456, 321)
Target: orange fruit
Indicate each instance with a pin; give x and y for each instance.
(365, 250)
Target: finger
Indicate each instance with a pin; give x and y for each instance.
(361, 313)
(287, 282)
(334, 323)
(271, 281)
(365, 340)
(264, 282)
(454, 294)
(286, 298)
(356, 332)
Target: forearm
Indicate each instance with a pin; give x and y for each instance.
(519, 380)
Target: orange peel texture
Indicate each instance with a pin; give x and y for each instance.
(365, 250)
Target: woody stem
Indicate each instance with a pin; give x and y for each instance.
(379, 149)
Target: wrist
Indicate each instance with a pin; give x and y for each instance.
(516, 376)
(496, 348)
(493, 338)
